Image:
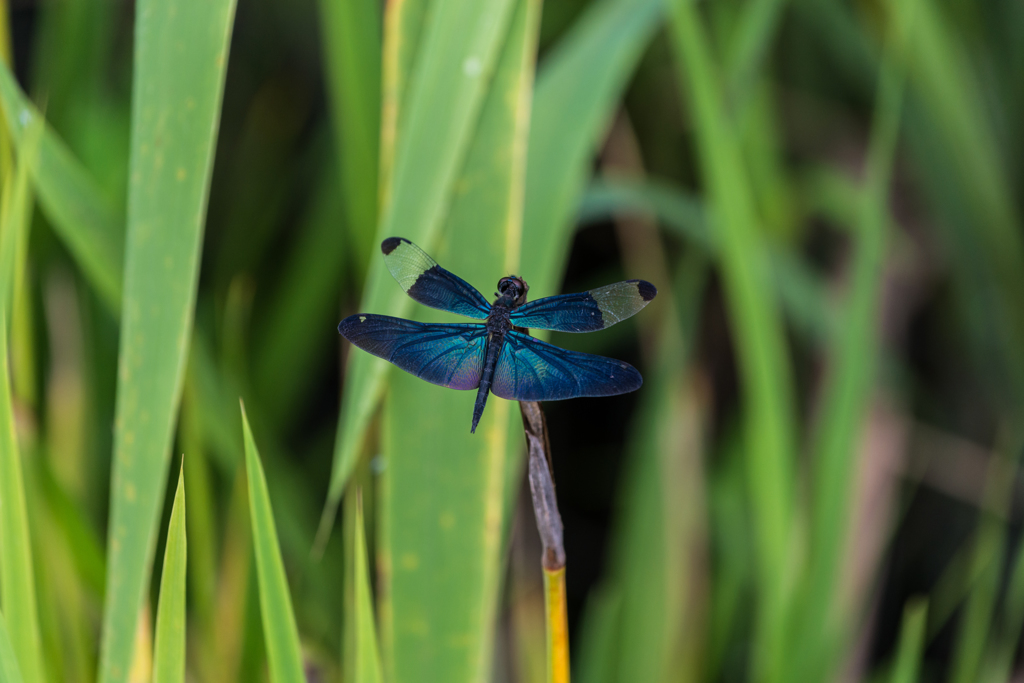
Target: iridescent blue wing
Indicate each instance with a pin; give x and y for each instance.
(531, 370)
(587, 311)
(449, 355)
(429, 283)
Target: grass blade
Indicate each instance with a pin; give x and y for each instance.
(279, 630)
(169, 639)
(757, 330)
(577, 89)
(17, 580)
(9, 670)
(953, 101)
(684, 214)
(750, 43)
(15, 295)
(91, 229)
(799, 288)
(353, 46)
(201, 531)
(658, 531)
(292, 342)
(361, 656)
(855, 353)
(458, 51)
(175, 112)
(15, 214)
(911, 646)
(975, 645)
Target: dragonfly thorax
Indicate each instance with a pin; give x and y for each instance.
(499, 321)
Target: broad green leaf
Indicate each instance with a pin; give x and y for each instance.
(403, 25)
(764, 372)
(578, 88)
(9, 670)
(360, 654)
(352, 43)
(444, 504)
(17, 581)
(525, 600)
(66, 605)
(181, 55)
(169, 639)
(92, 230)
(279, 630)
(456, 56)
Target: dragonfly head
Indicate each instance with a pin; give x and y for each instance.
(515, 288)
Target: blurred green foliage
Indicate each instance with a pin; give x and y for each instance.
(818, 480)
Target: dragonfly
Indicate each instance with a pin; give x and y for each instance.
(498, 355)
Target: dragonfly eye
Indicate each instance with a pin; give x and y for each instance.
(513, 287)
(508, 285)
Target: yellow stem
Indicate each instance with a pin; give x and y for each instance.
(557, 625)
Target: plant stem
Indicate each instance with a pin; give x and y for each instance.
(549, 525)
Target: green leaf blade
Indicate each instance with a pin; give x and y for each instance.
(10, 672)
(280, 633)
(444, 525)
(577, 89)
(457, 53)
(17, 580)
(910, 650)
(92, 230)
(761, 346)
(855, 358)
(353, 47)
(175, 113)
(169, 639)
(361, 655)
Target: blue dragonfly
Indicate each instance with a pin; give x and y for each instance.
(498, 356)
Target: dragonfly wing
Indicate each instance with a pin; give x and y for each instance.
(429, 283)
(448, 355)
(587, 311)
(531, 370)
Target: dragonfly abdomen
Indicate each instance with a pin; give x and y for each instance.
(495, 341)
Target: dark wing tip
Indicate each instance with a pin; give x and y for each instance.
(646, 289)
(390, 244)
(631, 379)
(346, 325)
